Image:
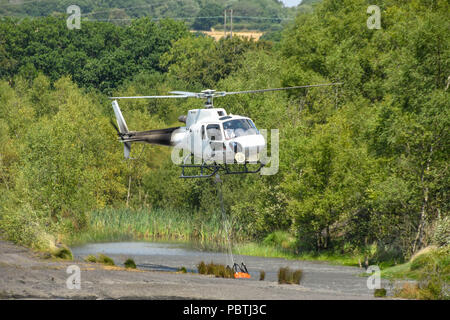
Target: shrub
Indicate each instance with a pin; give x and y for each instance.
(288, 276)
(91, 258)
(130, 264)
(29, 228)
(105, 260)
(63, 253)
(262, 275)
(219, 270)
(297, 276)
(210, 268)
(182, 270)
(380, 293)
(201, 268)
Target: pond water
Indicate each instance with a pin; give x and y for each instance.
(137, 248)
(158, 256)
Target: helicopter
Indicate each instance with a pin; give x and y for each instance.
(212, 140)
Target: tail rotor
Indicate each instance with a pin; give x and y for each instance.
(121, 128)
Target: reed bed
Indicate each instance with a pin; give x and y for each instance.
(152, 225)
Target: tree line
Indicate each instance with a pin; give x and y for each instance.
(197, 14)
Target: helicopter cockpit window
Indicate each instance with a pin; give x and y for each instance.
(213, 132)
(239, 127)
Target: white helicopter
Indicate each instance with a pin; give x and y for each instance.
(212, 138)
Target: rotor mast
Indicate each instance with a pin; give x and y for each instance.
(209, 96)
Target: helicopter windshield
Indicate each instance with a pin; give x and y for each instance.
(238, 128)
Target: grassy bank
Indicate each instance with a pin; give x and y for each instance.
(427, 262)
(269, 251)
(430, 268)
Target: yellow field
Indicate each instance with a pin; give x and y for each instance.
(244, 34)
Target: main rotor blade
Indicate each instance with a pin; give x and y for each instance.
(151, 97)
(185, 93)
(285, 88)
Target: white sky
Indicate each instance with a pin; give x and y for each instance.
(291, 3)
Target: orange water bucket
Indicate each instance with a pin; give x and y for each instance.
(241, 275)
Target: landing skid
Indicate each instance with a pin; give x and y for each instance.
(205, 170)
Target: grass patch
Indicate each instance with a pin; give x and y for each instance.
(264, 250)
(101, 259)
(280, 239)
(218, 270)
(425, 262)
(130, 264)
(288, 276)
(408, 291)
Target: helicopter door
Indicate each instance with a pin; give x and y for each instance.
(214, 138)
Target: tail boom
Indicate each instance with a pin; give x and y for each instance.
(161, 137)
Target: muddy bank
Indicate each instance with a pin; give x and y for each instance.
(26, 275)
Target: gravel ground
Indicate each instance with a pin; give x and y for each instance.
(26, 275)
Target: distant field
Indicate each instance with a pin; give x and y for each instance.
(244, 34)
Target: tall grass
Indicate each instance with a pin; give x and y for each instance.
(269, 251)
(152, 225)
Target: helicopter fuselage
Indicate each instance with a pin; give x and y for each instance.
(214, 136)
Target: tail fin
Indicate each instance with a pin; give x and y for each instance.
(122, 128)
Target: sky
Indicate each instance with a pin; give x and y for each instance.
(291, 3)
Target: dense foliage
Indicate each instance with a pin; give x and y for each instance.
(363, 166)
(198, 14)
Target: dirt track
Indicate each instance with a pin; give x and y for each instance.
(25, 275)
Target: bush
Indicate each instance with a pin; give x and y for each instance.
(201, 267)
(380, 293)
(105, 260)
(26, 227)
(182, 270)
(130, 264)
(63, 253)
(91, 258)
